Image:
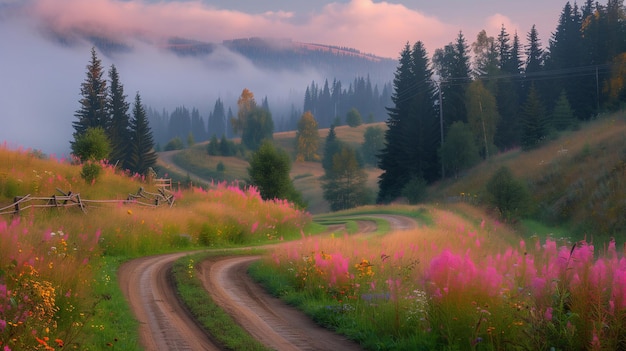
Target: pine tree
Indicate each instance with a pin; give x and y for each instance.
(507, 92)
(344, 187)
(534, 53)
(566, 53)
(534, 62)
(259, 126)
(93, 104)
(391, 158)
(118, 130)
(412, 137)
(453, 65)
(142, 155)
(332, 145)
(217, 120)
(563, 115)
(534, 122)
(198, 129)
(180, 123)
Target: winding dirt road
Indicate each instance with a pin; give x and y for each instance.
(166, 325)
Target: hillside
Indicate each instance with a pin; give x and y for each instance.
(578, 180)
(285, 54)
(199, 165)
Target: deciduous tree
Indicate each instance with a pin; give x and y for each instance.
(269, 172)
(307, 138)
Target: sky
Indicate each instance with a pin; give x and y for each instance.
(41, 79)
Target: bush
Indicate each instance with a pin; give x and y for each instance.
(91, 172)
(174, 144)
(508, 195)
(92, 145)
(353, 118)
(415, 190)
(10, 188)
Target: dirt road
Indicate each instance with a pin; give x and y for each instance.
(165, 324)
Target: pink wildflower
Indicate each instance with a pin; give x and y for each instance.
(548, 314)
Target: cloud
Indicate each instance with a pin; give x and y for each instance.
(41, 82)
(495, 22)
(381, 28)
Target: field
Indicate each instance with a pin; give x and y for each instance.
(305, 175)
(58, 265)
(460, 279)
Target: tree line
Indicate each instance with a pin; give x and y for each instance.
(105, 129)
(469, 101)
(331, 104)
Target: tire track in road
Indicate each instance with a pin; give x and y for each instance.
(165, 323)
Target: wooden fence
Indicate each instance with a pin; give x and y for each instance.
(66, 200)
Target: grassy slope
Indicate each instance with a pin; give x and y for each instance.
(577, 179)
(305, 174)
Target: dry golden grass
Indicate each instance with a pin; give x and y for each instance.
(608, 133)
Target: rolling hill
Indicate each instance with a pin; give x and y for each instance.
(578, 180)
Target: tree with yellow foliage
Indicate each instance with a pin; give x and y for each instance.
(307, 138)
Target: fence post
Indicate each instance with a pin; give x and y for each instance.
(17, 204)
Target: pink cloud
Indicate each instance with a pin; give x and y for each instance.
(380, 28)
(494, 25)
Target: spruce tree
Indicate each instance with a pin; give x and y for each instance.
(534, 122)
(393, 156)
(142, 155)
(93, 103)
(198, 128)
(344, 187)
(453, 65)
(534, 53)
(118, 130)
(217, 120)
(332, 145)
(412, 137)
(507, 91)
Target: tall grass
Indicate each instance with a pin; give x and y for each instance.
(458, 285)
(58, 286)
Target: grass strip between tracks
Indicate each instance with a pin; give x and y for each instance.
(198, 301)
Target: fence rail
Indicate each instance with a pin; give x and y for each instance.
(66, 200)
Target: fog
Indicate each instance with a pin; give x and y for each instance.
(40, 76)
(41, 80)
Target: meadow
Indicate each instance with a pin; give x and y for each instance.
(460, 281)
(58, 266)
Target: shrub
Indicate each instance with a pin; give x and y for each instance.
(92, 145)
(415, 190)
(174, 144)
(91, 172)
(507, 194)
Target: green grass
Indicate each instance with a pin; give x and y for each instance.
(113, 325)
(218, 323)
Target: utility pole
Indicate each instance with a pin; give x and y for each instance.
(443, 171)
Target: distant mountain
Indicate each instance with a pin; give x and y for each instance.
(342, 63)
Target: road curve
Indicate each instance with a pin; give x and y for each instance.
(166, 325)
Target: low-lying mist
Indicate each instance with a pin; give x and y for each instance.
(41, 80)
